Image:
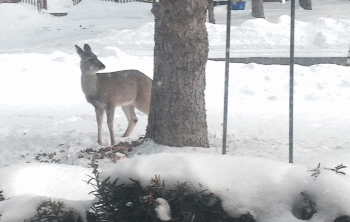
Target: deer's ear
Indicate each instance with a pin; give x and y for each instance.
(79, 50)
(87, 48)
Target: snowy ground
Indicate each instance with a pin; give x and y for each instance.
(44, 115)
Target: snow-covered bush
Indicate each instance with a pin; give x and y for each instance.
(132, 202)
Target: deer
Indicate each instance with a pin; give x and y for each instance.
(128, 89)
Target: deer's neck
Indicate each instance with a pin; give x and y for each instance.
(89, 84)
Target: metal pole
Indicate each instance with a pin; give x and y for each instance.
(227, 71)
(348, 58)
(291, 81)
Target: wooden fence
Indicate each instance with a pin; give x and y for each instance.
(75, 2)
(120, 1)
(41, 4)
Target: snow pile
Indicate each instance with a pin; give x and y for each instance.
(269, 190)
(259, 34)
(95, 9)
(322, 34)
(163, 210)
(20, 15)
(36, 180)
(59, 5)
(27, 185)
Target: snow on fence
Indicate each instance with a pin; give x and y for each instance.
(41, 4)
(121, 1)
(75, 2)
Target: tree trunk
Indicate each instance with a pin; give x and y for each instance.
(211, 16)
(177, 116)
(305, 4)
(258, 9)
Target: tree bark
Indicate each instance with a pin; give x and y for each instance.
(258, 9)
(211, 16)
(305, 4)
(177, 116)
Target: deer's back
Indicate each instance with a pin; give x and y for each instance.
(124, 87)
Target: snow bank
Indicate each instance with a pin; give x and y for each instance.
(59, 5)
(259, 34)
(19, 16)
(256, 35)
(267, 189)
(96, 9)
(46, 180)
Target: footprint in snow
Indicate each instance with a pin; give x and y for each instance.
(247, 92)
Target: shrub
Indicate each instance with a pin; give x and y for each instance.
(54, 211)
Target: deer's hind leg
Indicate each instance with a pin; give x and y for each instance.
(129, 112)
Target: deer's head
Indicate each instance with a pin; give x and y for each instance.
(89, 63)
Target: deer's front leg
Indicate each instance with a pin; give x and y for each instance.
(110, 122)
(99, 119)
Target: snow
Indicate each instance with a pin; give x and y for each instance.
(163, 210)
(44, 116)
(27, 185)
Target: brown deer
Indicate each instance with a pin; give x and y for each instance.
(105, 91)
